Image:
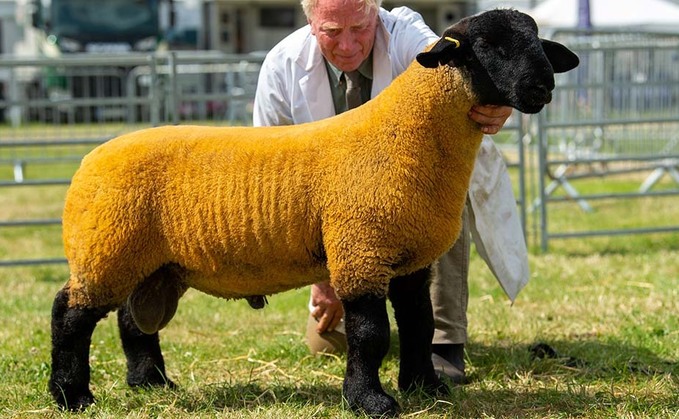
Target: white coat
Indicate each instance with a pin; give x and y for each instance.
(293, 88)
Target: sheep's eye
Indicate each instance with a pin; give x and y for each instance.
(486, 45)
(483, 44)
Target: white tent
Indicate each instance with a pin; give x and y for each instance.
(609, 14)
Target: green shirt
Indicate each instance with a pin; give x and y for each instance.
(338, 86)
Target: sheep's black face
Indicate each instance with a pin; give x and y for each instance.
(507, 60)
(508, 64)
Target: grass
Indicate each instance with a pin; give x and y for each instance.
(611, 318)
(608, 306)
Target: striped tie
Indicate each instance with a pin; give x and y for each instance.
(353, 93)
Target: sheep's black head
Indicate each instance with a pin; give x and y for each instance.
(509, 65)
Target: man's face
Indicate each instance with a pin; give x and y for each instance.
(345, 32)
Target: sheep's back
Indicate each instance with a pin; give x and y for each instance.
(218, 202)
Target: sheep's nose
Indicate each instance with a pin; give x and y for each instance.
(543, 84)
(541, 88)
(549, 83)
(539, 93)
(542, 77)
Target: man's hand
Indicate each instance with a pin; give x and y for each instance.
(328, 308)
(490, 117)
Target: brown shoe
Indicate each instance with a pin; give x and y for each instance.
(328, 342)
(447, 371)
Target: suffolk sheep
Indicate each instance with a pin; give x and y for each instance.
(367, 199)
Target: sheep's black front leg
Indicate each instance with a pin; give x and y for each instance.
(72, 330)
(145, 363)
(410, 298)
(367, 327)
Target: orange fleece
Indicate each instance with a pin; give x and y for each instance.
(362, 197)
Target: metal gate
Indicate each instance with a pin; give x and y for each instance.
(615, 117)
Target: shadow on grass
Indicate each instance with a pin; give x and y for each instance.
(249, 396)
(573, 377)
(578, 378)
(583, 358)
(567, 401)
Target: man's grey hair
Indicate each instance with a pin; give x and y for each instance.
(309, 5)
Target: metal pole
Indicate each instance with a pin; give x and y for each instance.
(154, 93)
(542, 173)
(524, 127)
(174, 94)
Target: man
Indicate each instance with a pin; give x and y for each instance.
(304, 79)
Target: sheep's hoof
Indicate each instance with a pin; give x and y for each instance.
(437, 388)
(81, 403)
(73, 402)
(430, 385)
(374, 404)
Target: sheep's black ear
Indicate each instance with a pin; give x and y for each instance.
(561, 58)
(441, 53)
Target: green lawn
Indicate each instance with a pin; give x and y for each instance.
(612, 318)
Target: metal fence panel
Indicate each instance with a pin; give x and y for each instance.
(617, 114)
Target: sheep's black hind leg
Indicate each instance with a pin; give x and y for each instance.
(367, 327)
(72, 330)
(409, 296)
(145, 363)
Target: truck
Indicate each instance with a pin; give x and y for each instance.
(67, 28)
(110, 26)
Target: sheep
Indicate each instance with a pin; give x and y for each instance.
(367, 199)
